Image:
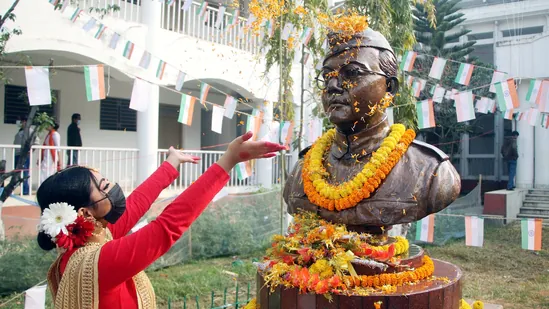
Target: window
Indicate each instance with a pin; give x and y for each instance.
(484, 53)
(480, 36)
(522, 31)
(16, 103)
(116, 115)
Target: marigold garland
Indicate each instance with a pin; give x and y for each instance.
(350, 193)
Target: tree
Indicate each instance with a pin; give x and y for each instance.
(441, 41)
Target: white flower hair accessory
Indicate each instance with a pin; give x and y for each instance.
(56, 218)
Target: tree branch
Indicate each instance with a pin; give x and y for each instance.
(8, 13)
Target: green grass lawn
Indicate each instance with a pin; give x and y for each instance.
(500, 272)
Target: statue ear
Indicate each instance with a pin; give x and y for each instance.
(392, 85)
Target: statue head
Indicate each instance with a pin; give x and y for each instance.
(357, 77)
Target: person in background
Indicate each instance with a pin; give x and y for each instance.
(73, 139)
(51, 162)
(509, 151)
(18, 140)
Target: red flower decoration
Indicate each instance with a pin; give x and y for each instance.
(79, 232)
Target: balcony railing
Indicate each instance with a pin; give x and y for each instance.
(188, 22)
(120, 165)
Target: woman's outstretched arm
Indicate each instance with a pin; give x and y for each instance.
(141, 199)
(123, 258)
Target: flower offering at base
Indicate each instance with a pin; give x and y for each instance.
(318, 257)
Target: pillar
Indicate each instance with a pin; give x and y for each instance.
(147, 121)
(541, 170)
(525, 144)
(265, 166)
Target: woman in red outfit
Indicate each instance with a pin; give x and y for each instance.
(85, 217)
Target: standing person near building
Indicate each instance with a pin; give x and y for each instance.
(87, 218)
(18, 140)
(74, 139)
(51, 159)
(509, 151)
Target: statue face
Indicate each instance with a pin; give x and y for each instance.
(352, 87)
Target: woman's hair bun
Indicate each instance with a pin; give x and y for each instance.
(45, 242)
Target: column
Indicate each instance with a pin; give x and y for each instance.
(265, 166)
(525, 144)
(541, 145)
(147, 121)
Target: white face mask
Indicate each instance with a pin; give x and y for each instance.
(18, 122)
(78, 122)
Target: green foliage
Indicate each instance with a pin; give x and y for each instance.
(100, 12)
(282, 54)
(434, 42)
(22, 265)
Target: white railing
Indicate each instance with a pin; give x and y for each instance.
(188, 22)
(189, 173)
(117, 164)
(120, 165)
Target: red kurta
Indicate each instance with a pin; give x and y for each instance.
(126, 256)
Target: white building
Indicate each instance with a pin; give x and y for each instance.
(124, 144)
(514, 36)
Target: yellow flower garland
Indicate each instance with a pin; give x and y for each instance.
(350, 193)
(401, 246)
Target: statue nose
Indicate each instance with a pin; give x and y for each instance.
(334, 85)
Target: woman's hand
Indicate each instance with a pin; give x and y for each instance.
(176, 157)
(242, 149)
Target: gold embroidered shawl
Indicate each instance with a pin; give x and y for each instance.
(78, 288)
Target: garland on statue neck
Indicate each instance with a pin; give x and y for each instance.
(348, 194)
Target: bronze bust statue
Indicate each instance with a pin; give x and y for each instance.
(359, 72)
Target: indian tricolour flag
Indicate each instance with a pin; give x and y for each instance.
(507, 95)
(425, 114)
(474, 231)
(269, 24)
(407, 63)
(416, 87)
(534, 91)
(286, 130)
(465, 109)
(544, 121)
(543, 104)
(508, 114)
(186, 109)
(254, 122)
(201, 11)
(531, 234)
(160, 69)
(496, 78)
(234, 18)
(128, 50)
(438, 68)
(95, 82)
(76, 14)
(306, 35)
(204, 89)
(425, 229)
(439, 94)
(100, 31)
(464, 74)
(244, 170)
(485, 105)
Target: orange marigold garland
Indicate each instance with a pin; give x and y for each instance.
(350, 193)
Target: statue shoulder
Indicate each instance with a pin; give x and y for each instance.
(303, 152)
(428, 148)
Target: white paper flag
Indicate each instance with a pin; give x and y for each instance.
(230, 106)
(220, 16)
(140, 95)
(217, 118)
(390, 115)
(35, 298)
(38, 85)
